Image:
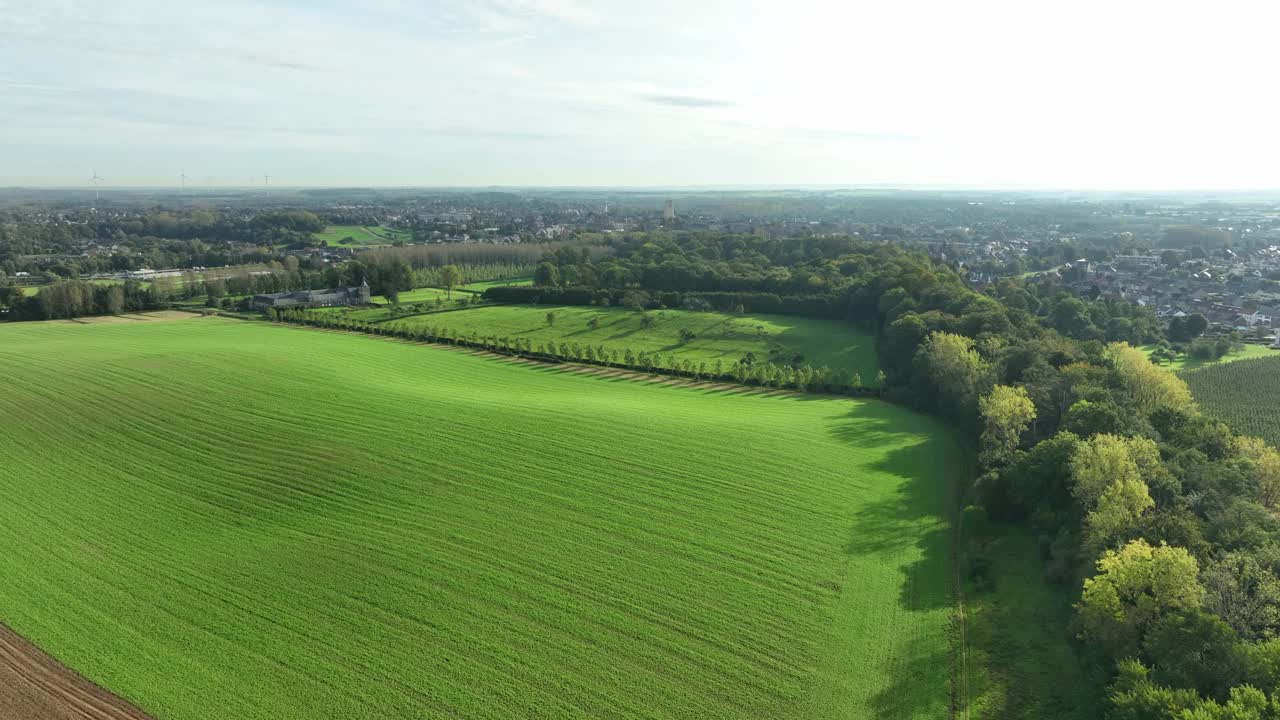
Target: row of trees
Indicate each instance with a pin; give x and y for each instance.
(746, 371)
(76, 298)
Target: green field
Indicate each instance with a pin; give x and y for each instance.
(1244, 394)
(1185, 362)
(719, 336)
(336, 235)
(485, 285)
(222, 519)
(427, 294)
(421, 299)
(1021, 662)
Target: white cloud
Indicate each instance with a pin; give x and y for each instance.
(561, 92)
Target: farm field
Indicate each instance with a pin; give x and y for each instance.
(719, 336)
(1186, 363)
(1245, 394)
(426, 294)
(216, 519)
(485, 285)
(336, 235)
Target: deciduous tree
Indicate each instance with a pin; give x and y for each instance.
(1134, 587)
(1006, 414)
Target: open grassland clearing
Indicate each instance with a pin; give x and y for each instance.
(223, 519)
(485, 285)
(427, 295)
(1187, 363)
(715, 336)
(1245, 394)
(1020, 660)
(358, 235)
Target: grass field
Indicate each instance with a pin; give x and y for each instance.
(1185, 362)
(719, 336)
(1245, 394)
(221, 519)
(1022, 662)
(485, 285)
(336, 235)
(427, 294)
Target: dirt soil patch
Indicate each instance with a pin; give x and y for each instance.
(156, 316)
(35, 686)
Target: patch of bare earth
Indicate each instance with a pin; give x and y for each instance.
(157, 316)
(34, 686)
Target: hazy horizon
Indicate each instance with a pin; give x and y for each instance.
(564, 94)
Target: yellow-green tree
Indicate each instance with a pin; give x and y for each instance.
(953, 370)
(1006, 414)
(1107, 478)
(1134, 587)
(1262, 463)
(1150, 387)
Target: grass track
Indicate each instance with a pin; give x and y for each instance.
(1023, 662)
(221, 519)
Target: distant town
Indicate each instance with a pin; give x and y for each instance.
(1179, 255)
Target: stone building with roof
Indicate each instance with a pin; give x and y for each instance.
(331, 297)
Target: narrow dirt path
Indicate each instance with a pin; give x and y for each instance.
(35, 686)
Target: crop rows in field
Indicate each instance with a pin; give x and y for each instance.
(222, 519)
(1246, 394)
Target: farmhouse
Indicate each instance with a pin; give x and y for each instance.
(331, 297)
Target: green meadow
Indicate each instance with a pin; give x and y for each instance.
(716, 336)
(486, 284)
(427, 295)
(1186, 362)
(358, 235)
(224, 519)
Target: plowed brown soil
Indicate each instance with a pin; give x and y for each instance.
(34, 686)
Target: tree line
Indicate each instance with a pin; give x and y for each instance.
(77, 298)
(1160, 522)
(746, 371)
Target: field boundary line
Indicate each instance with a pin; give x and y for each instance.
(51, 689)
(619, 371)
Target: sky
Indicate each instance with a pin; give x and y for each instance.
(1121, 94)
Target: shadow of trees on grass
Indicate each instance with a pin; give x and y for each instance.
(915, 519)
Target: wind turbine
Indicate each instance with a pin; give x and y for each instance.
(183, 177)
(95, 180)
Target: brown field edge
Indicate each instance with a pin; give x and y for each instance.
(35, 686)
